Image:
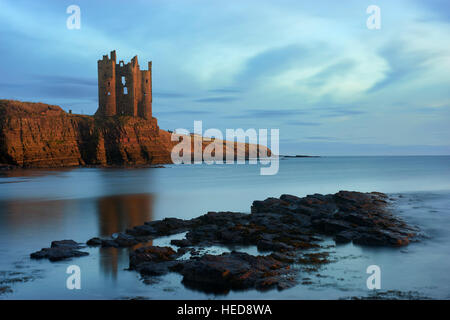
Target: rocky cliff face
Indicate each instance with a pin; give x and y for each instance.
(41, 135)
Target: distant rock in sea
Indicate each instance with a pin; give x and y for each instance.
(299, 156)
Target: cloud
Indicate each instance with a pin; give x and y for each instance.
(66, 80)
(331, 72)
(274, 61)
(226, 90)
(169, 95)
(302, 123)
(294, 65)
(335, 148)
(339, 112)
(267, 114)
(184, 112)
(323, 138)
(404, 65)
(217, 99)
(439, 9)
(42, 91)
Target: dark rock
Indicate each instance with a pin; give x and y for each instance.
(331, 226)
(94, 242)
(153, 269)
(344, 237)
(290, 198)
(125, 240)
(153, 261)
(287, 258)
(348, 216)
(70, 244)
(264, 245)
(181, 243)
(108, 243)
(151, 254)
(144, 230)
(60, 250)
(235, 271)
(169, 226)
(288, 227)
(5, 289)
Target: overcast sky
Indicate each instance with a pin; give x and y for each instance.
(310, 68)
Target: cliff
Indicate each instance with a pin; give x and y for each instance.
(42, 135)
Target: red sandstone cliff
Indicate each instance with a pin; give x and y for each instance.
(41, 135)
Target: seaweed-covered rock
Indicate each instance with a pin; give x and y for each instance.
(151, 254)
(153, 260)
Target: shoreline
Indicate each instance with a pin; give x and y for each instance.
(290, 230)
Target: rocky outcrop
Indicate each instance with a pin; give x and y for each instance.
(153, 260)
(214, 273)
(60, 250)
(235, 271)
(289, 228)
(282, 224)
(41, 135)
(361, 218)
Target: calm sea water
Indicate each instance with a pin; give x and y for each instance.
(39, 206)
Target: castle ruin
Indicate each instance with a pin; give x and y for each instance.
(124, 89)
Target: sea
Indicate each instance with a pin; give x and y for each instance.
(39, 206)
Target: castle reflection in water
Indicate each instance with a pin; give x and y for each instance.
(116, 214)
(78, 219)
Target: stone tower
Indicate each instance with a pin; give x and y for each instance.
(124, 89)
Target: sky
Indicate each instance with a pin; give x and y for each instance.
(311, 69)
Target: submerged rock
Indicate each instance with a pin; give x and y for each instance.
(5, 289)
(391, 295)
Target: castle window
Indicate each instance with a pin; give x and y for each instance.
(146, 80)
(109, 93)
(124, 82)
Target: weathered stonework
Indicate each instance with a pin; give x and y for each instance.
(124, 89)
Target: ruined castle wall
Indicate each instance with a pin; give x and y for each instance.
(106, 86)
(123, 88)
(145, 104)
